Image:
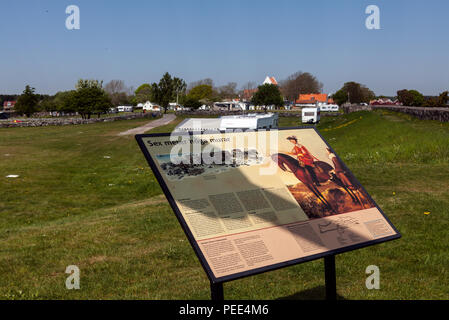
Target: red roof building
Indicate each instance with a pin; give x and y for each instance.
(9, 105)
(313, 98)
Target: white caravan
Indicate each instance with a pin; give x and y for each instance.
(310, 115)
(243, 122)
(125, 108)
(250, 121)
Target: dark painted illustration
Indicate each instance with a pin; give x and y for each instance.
(322, 189)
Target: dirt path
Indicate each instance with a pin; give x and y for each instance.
(166, 119)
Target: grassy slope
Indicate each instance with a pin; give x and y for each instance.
(107, 216)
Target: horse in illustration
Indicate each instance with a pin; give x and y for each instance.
(286, 162)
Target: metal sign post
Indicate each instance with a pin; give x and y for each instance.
(216, 291)
(330, 278)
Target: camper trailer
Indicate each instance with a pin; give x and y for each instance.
(242, 122)
(328, 107)
(310, 115)
(125, 109)
(250, 121)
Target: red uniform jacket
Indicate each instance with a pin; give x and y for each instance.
(303, 155)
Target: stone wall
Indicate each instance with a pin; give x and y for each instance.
(42, 122)
(439, 114)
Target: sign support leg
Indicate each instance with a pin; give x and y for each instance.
(330, 278)
(216, 291)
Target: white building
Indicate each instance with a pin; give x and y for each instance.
(149, 106)
(270, 80)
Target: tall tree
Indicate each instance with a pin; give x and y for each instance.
(418, 98)
(179, 87)
(300, 82)
(189, 102)
(115, 86)
(27, 103)
(355, 93)
(267, 95)
(443, 99)
(89, 98)
(405, 97)
(228, 91)
(201, 92)
(143, 93)
(118, 92)
(165, 90)
(207, 81)
(340, 97)
(62, 101)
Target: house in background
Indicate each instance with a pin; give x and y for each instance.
(270, 80)
(9, 105)
(148, 106)
(385, 102)
(313, 100)
(248, 93)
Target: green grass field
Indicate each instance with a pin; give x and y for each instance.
(86, 197)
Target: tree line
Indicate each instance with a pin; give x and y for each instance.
(90, 97)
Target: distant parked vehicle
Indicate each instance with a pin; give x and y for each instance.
(250, 121)
(4, 115)
(310, 115)
(328, 107)
(125, 108)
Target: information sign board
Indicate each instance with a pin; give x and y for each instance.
(251, 202)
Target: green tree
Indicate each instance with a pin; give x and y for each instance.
(340, 97)
(443, 99)
(179, 88)
(27, 103)
(48, 104)
(62, 101)
(163, 91)
(143, 93)
(356, 93)
(405, 97)
(418, 98)
(167, 89)
(267, 95)
(190, 102)
(201, 92)
(89, 98)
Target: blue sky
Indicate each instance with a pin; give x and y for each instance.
(240, 41)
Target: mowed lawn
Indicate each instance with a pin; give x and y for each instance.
(86, 197)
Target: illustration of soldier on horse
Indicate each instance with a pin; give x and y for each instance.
(313, 172)
(305, 158)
